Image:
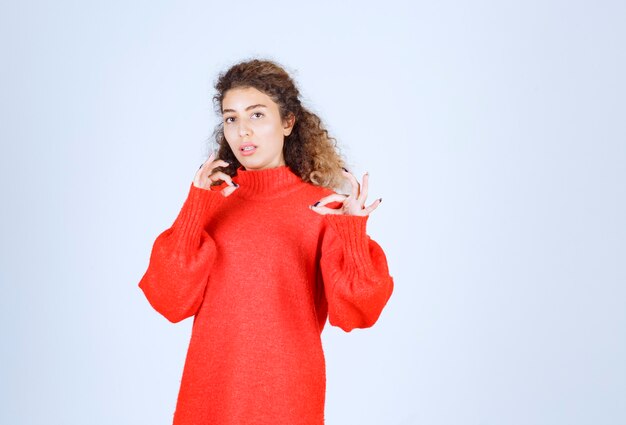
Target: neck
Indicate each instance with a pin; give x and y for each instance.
(266, 183)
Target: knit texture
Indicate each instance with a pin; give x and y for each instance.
(261, 273)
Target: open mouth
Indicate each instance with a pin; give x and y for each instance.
(247, 149)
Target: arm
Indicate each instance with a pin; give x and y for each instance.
(181, 259)
(354, 269)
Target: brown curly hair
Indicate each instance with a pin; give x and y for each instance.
(309, 151)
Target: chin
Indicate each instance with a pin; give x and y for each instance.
(252, 163)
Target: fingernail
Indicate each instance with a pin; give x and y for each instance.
(380, 200)
(345, 170)
(200, 165)
(316, 204)
(235, 184)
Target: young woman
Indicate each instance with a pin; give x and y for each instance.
(262, 253)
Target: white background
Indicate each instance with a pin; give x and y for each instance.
(494, 131)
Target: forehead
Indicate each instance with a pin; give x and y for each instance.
(240, 98)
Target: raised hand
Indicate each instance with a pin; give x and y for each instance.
(206, 175)
(353, 204)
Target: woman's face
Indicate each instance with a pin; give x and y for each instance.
(251, 119)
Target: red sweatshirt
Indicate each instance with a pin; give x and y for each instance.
(261, 272)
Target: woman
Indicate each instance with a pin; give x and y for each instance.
(262, 252)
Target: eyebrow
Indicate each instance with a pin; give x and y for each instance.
(258, 105)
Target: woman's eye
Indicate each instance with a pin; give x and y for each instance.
(226, 120)
(258, 113)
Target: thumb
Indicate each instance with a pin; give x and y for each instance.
(228, 190)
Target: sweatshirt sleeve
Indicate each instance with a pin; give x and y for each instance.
(354, 269)
(181, 259)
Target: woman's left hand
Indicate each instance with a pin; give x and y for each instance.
(353, 204)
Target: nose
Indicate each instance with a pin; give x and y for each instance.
(243, 130)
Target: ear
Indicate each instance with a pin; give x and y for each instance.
(288, 124)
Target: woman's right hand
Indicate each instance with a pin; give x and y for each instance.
(205, 175)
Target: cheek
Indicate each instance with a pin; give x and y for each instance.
(229, 133)
(270, 133)
(268, 127)
(228, 129)
(230, 138)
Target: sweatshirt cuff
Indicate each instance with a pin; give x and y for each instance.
(193, 215)
(352, 231)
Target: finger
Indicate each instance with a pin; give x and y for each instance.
(363, 195)
(331, 198)
(210, 158)
(325, 210)
(228, 190)
(198, 178)
(209, 169)
(372, 207)
(355, 184)
(205, 169)
(320, 207)
(220, 175)
(214, 164)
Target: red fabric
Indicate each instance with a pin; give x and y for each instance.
(261, 272)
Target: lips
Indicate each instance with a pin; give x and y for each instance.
(245, 145)
(247, 151)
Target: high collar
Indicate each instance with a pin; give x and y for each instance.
(266, 183)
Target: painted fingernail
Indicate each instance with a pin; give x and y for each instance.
(380, 200)
(316, 204)
(345, 170)
(200, 165)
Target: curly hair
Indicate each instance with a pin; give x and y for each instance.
(308, 150)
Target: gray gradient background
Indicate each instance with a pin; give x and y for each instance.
(494, 131)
